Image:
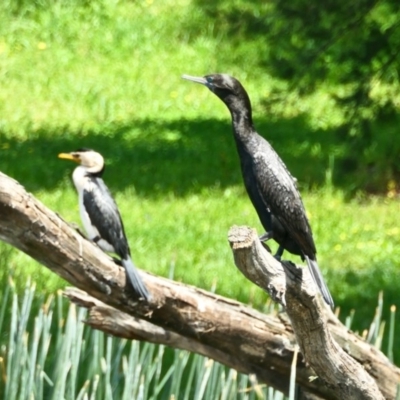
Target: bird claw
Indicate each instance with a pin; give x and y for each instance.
(266, 247)
(278, 257)
(117, 261)
(265, 236)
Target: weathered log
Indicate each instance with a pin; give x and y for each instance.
(308, 315)
(237, 335)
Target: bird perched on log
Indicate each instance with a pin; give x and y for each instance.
(270, 186)
(99, 213)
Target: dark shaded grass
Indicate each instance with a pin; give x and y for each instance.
(157, 157)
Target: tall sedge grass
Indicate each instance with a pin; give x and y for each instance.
(52, 354)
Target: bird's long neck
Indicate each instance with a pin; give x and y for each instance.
(242, 121)
(242, 125)
(244, 132)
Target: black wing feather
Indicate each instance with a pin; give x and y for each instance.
(279, 192)
(104, 215)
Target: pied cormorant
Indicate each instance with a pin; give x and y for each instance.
(270, 186)
(99, 213)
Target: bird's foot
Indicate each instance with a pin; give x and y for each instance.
(265, 236)
(117, 261)
(266, 247)
(279, 253)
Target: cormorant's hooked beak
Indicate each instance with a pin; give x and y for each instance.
(198, 79)
(69, 156)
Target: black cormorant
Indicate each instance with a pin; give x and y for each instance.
(270, 186)
(99, 213)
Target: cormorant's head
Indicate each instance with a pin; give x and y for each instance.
(92, 161)
(227, 88)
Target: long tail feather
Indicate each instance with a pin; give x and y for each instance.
(135, 280)
(319, 281)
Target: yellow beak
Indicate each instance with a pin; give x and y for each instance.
(69, 156)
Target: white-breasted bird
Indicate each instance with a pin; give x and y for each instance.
(99, 212)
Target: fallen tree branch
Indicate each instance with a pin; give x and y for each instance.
(238, 335)
(308, 316)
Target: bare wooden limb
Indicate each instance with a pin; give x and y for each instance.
(334, 367)
(238, 335)
(251, 263)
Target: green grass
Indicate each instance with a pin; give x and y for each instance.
(106, 74)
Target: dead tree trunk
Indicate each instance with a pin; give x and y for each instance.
(189, 318)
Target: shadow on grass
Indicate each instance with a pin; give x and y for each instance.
(158, 157)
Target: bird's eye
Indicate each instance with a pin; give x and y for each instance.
(210, 79)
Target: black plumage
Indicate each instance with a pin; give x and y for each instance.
(270, 186)
(104, 215)
(100, 215)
